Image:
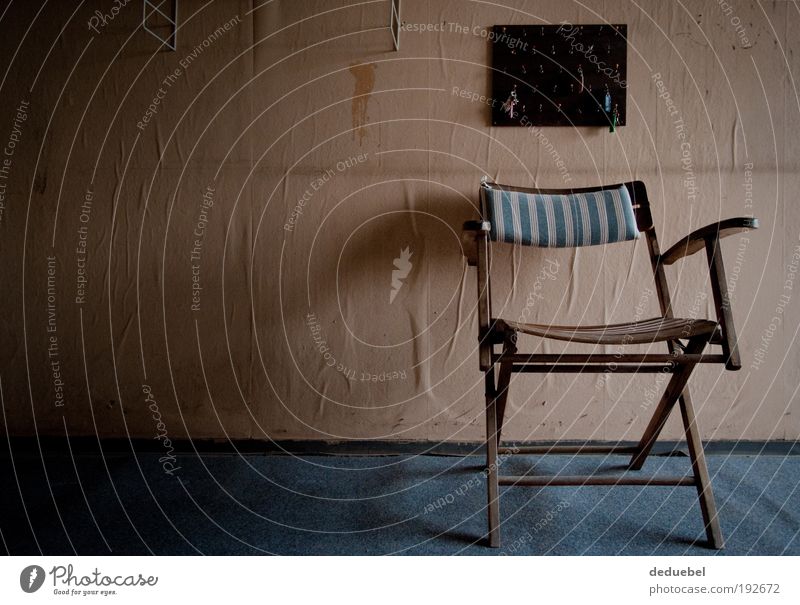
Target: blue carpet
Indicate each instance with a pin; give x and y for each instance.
(418, 505)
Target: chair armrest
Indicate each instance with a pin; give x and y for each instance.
(469, 239)
(708, 238)
(696, 241)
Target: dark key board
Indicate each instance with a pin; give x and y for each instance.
(559, 75)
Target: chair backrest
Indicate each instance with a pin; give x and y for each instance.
(640, 205)
(565, 217)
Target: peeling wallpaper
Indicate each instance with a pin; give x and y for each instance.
(257, 235)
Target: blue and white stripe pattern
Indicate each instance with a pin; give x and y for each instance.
(560, 221)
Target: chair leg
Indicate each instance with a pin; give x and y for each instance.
(700, 470)
(671, 394)
(503, 381)
(492, 485)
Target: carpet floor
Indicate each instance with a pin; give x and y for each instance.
(414, 505)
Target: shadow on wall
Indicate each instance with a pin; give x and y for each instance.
(387, 297)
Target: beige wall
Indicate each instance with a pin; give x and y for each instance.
(276, 105)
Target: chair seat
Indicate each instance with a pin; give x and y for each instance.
(657, 329)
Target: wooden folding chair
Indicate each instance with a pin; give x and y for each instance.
(577, 217)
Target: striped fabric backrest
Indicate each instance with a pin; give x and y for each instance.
(560, 220)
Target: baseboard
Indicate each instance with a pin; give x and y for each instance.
(117, 446)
